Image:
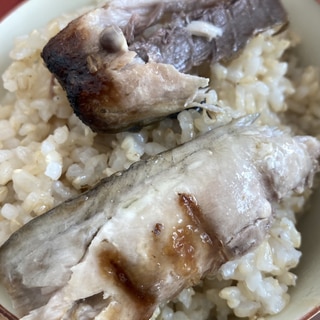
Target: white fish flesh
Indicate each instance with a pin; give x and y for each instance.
(141, 236)
(125, 65)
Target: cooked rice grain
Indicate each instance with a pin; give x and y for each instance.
(48, 155)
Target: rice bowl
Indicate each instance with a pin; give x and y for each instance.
(64, 153)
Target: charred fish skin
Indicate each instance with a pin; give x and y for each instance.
(114, 91)
(138, 238)
(114, 87)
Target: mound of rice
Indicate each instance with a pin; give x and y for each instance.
(48, 155)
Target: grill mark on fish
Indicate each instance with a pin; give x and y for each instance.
(177, 249)
(114, 265)
(208, 202)
(157, 229)
(186, 239)
(193, 210)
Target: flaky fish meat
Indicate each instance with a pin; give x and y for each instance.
(141, 236)
(125, 65)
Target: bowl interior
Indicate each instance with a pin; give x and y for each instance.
(305, 20)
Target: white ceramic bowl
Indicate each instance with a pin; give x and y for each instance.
(305, 20)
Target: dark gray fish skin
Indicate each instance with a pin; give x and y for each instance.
(238, 20)
(140, 236)
(112, 87)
